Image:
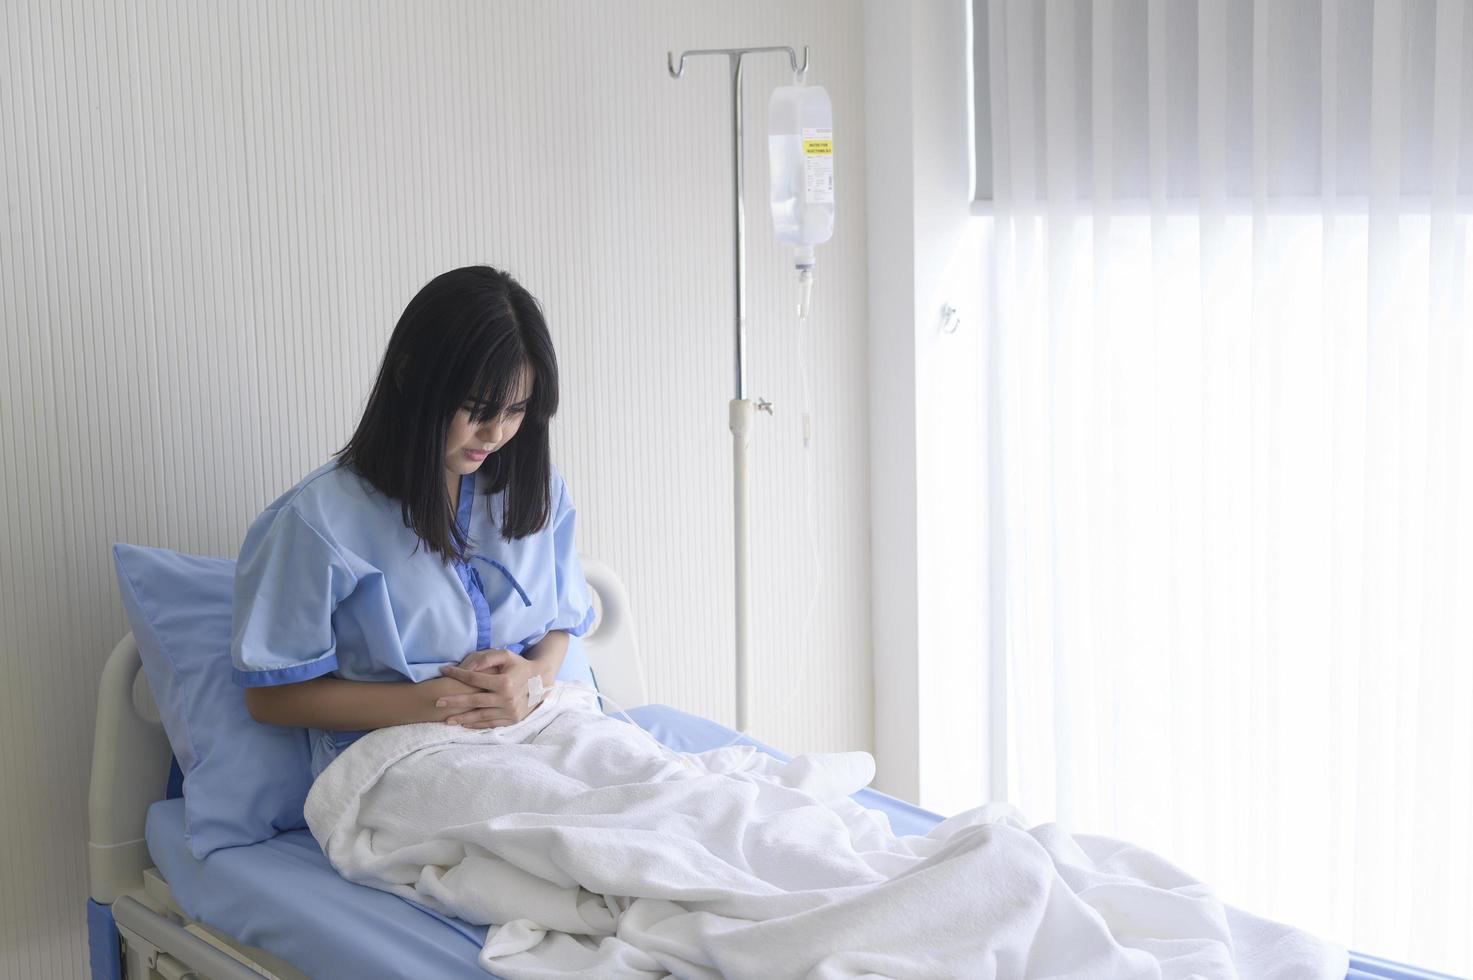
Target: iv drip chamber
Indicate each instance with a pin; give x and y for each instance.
(800, 154)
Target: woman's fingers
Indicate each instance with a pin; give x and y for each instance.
(498, 698)
(486, 660)
(491, 714)
(480, 707)
(492, 717)
(477, 678)
(468, 701)
(478, 690)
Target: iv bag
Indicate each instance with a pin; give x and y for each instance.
(800, 153)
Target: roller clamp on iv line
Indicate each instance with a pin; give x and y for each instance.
(800, 155)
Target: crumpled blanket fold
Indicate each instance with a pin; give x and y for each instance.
(590, 851)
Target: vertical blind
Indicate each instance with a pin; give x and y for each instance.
(1231, 324)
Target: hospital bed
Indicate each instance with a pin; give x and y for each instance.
(277, 908)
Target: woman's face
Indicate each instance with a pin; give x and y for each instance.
(468, 442)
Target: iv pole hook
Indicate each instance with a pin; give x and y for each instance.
(677, 70)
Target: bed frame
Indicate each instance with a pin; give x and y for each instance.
(136, 928)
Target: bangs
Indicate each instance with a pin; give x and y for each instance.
(495, 385)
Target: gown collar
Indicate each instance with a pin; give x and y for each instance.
(467, 501)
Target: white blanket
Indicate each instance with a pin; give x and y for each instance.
(606, 856)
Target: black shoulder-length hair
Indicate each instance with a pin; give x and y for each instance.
(463, 340)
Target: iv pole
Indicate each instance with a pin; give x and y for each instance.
(742, 409)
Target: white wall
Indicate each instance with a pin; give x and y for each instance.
(928, 445)
(214, 215)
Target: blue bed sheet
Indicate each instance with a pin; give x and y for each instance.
(282, 896)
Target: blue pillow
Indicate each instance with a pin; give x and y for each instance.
(244, 782)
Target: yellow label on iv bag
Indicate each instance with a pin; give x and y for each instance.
(818, 165)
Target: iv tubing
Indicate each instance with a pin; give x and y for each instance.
(805, 299)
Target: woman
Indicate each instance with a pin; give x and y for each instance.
(429, 571)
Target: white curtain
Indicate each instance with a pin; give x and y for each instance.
(1230, 274)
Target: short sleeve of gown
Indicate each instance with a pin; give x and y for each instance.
(574, 598)
(288, 580)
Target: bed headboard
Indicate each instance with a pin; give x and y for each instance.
(130, 752)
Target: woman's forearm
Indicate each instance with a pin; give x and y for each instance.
(335, 704)
(338, 705)
(547, 654)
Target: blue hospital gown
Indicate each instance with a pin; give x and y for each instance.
(331, 581)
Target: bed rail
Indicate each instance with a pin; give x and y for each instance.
(612, 647)
(166, 949)
(130, 770)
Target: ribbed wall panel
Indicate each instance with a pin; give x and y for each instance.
(214, 214)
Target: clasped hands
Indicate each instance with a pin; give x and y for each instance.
(487, 690)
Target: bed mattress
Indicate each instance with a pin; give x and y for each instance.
(281, 895)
